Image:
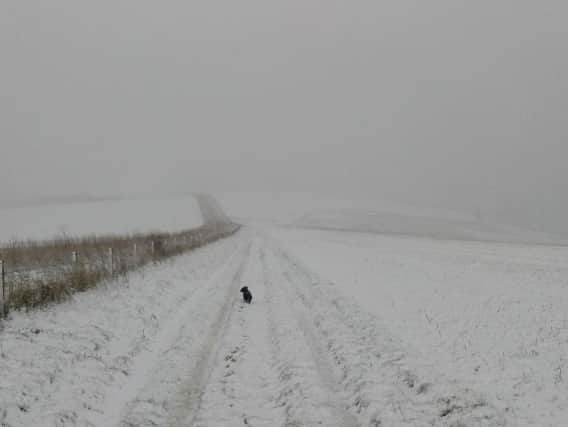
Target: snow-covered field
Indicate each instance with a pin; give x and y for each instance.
(375, 216)
(345, 329)
(435, 226)
(285, 208)
(490, 316)
(101, 217)
(174, 345)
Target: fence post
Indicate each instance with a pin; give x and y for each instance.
(110, 262)
(3, 275)
(74, 257)
(152, 247)
(135, 251)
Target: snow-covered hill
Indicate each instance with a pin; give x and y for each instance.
(345, 330)
(491, 316)
(435, 226)
(373, 216)
(38, 222)
(176, 346)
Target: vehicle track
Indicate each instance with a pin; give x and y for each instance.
(310, 390)
(268, 371)
(243, 385)
(166, 388)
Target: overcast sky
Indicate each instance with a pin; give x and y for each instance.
(454, 103)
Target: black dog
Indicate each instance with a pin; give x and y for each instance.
(247, 296)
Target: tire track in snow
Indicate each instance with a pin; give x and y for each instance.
(167, 380)
(190, 394)
(268, 371)
(309, 391)
(244, 383)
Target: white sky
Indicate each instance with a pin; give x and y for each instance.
(453, 103)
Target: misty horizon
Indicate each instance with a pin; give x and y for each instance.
(438, 104)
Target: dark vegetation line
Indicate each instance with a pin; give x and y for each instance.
(39, 273)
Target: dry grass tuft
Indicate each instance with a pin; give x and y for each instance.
(41, 273)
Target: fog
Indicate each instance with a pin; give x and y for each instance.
(442, 103)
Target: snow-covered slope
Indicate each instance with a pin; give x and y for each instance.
(373, 215)
(491, 316)
(211, 210)
(174, 213)
(176, 346)
(435, 226)
(345, 329)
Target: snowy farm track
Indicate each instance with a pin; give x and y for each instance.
(300, 355)
(268, 372)
(172, 389)
(295, 357)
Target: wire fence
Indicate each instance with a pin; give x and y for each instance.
(33, 274)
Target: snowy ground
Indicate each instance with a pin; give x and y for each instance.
(490, 316)
(101, 217)
(174, 345)
(285, 208)
(373, 215)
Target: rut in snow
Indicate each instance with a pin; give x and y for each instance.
(173, 383)
(268, 372)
